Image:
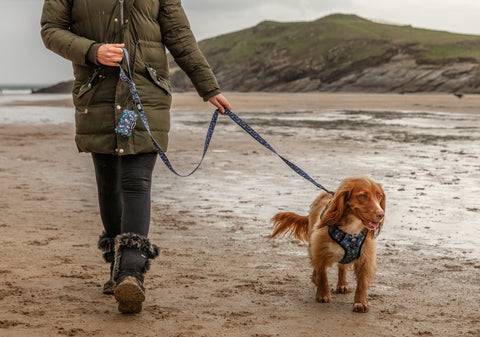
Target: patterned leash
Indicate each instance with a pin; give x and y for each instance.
(129, 117)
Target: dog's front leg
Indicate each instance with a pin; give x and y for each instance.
(342, 285)
(364, 271)
(320, 279)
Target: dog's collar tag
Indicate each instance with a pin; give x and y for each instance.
(351, 244)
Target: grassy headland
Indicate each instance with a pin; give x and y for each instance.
(336, 52)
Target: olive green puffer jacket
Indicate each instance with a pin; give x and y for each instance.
(75, 29)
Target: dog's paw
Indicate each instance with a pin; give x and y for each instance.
(360, 307)
(322, 297)
(343, 289)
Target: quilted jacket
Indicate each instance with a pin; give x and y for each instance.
(75, 29)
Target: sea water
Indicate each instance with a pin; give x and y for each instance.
(20, 106)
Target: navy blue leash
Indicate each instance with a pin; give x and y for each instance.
(211, 128)
(262, 141)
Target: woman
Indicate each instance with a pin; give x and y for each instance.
(92, 34)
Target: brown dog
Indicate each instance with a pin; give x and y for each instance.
(340, 228)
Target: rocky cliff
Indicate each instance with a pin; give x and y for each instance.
(341, 53)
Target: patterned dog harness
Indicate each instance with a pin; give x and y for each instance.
(351, 244)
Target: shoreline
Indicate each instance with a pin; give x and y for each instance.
(250, 102)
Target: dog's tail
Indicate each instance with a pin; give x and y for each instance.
(290, 224)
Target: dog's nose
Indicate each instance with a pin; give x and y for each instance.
(380, 214)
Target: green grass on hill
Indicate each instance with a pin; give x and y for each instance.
(339, 38)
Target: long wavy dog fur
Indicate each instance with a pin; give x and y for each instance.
(357, 207)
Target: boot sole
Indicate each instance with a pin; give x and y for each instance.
(129, 296)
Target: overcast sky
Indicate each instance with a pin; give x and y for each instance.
(23, 59)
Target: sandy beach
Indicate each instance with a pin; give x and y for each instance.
(218, 273)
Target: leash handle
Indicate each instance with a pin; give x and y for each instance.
(138, 104)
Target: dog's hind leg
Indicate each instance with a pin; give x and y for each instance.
(342, 285)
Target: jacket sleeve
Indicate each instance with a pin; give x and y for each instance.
(56, 34)
(180, 41)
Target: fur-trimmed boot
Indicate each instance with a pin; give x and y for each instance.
(133, 253)
(107, 246)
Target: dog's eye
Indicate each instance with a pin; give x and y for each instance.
(363, 196)
(380, 197)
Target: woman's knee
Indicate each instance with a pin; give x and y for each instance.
(136, 183)
(137, 172)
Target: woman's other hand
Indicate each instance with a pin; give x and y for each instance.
(220, 102)
(110, 54)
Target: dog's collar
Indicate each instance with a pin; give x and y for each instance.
(351, 244)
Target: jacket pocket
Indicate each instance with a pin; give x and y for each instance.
(85, 94)
(87, 86)
(158, 80)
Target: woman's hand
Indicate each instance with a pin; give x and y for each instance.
(220, 102)
(110, 54)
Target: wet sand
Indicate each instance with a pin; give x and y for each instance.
(218, 273)
(308, 101)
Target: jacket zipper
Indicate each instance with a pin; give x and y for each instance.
(121, 11)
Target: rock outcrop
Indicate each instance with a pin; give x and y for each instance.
(59, 88)
(398, 74)
(341, 53)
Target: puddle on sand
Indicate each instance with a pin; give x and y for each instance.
(428, 163)
(396, 126)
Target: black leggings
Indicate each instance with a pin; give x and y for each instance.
(124, 186)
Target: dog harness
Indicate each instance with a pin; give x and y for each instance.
(351, 244)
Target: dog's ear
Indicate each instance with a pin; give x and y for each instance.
(336, 207)
(383, 203)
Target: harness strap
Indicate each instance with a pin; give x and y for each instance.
(211, 128)
(351, 244)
